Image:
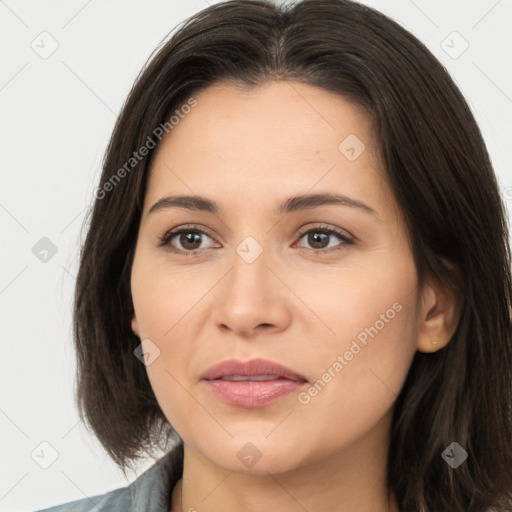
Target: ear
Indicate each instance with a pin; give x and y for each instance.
(439, 316)
(135, 326)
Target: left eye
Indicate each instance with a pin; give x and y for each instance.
(190, 239)
(317, 237)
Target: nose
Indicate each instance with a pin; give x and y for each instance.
(252, 299)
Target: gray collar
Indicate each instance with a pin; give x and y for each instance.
(152, 490)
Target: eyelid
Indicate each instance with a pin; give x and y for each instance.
(325, 227)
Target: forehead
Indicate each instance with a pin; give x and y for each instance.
(280, 117)
(283, 136)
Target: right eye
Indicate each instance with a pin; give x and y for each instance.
(189, 239)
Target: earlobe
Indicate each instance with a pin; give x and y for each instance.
(135, 326)
(438, 318)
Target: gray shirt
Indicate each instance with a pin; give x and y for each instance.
(150, 492)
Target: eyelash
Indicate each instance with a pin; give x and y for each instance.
(165, 239)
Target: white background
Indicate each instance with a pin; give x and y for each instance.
(57, 116)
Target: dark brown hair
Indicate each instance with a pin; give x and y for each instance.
(437, 165)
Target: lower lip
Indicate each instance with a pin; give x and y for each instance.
(250, 394)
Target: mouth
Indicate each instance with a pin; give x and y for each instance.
(255, 383)
(254, 378)
(258, 369)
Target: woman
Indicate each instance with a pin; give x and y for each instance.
(297, 269)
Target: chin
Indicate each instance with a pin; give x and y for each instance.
(254, 455)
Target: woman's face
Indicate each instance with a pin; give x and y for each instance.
(262, 277)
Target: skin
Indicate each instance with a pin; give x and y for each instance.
(248, 151)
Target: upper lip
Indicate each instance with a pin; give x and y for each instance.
(252, 367)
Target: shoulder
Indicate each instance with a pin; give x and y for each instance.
(112, 501)
(150, 492)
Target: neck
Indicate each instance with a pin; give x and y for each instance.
(388, 503)
(350, 480)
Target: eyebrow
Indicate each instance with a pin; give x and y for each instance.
(292, 204)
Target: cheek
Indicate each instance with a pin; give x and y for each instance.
(362, 364)
(162, 295)
(164, 301)
(360, 378)
(377, 293)
(171, 392)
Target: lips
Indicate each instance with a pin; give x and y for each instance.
(255, 369)
(255, 383)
